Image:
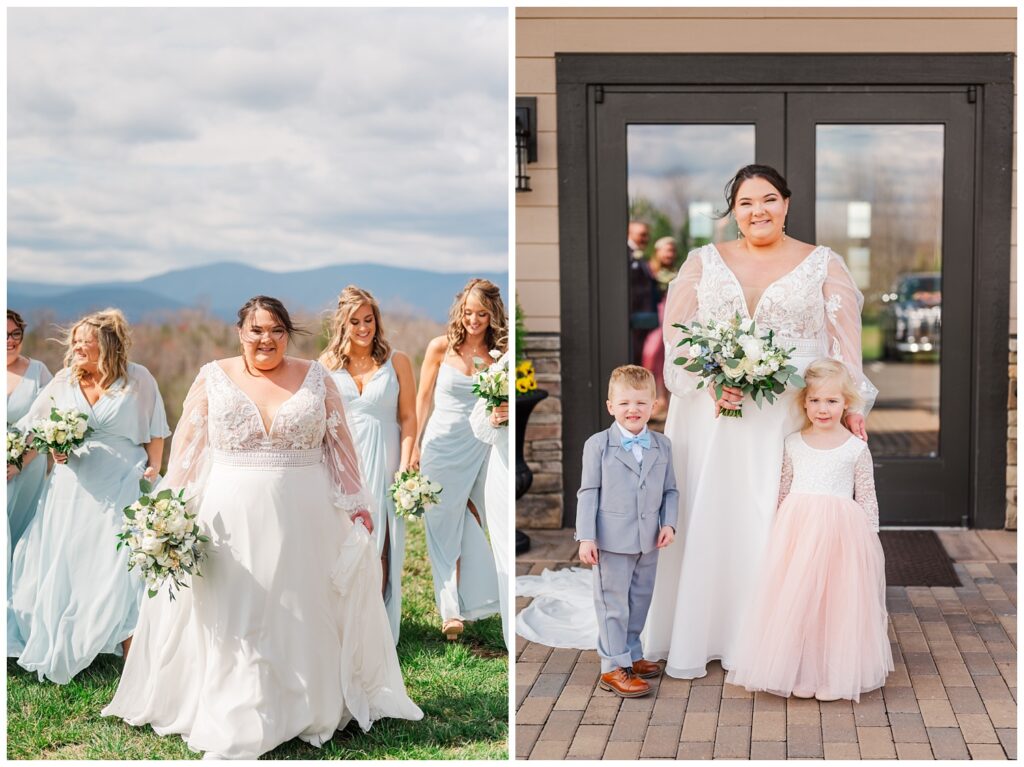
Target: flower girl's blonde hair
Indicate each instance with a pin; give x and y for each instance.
(826, 369)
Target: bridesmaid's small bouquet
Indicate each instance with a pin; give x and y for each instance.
(163, 539)
(414, 493)
(63, 432)
(16, 447)
(737, 354)
(491, 383)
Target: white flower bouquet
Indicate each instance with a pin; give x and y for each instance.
(16, 447)
(737, 354)
(63, 432)
(414, 493)
(491, 383)
(163, 539)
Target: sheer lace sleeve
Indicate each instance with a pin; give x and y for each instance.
(340, 454)
(843, 304)
(864, 486)
(189, 463)
(786, 480)
(681, 305)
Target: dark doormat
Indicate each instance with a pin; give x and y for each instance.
(916, 558)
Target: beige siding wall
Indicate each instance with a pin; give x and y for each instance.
(541, 32)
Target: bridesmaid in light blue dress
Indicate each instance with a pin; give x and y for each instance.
(465, 580)
(72, 594)
(379, 394)
(25, 377)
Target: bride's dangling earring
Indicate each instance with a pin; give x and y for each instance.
(783, 231)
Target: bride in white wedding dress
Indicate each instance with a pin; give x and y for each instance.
(728, 468)
(285, 633)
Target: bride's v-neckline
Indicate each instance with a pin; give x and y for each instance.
(259, 415)
(772, 284)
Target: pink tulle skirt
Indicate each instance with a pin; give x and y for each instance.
(819, 625)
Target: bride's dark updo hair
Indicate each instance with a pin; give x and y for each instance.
(767, 172)
(273, 306)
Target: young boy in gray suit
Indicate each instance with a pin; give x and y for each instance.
(626, 510)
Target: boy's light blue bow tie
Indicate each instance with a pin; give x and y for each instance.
(643, 440)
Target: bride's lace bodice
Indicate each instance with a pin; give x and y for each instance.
(846, 471)
(793, 306)
(814, 308)
(219, 421)
(236, 424)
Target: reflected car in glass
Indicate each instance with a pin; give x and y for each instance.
(912, 315)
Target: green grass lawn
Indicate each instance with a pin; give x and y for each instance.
(461, 686)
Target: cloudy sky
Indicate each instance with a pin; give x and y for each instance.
(141, 140)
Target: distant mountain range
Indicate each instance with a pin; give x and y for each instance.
(222, 288)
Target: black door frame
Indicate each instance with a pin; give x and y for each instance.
(988, 78)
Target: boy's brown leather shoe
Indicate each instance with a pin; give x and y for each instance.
(624, 684)
(646, 669)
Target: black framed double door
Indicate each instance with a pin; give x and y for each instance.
(883, 176)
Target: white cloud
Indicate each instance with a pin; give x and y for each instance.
(142, 140)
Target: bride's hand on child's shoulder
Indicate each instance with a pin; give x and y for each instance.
(855, 423)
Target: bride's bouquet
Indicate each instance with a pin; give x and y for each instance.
(737, 354)
(414, 493)
(16, 447)
(491, 383)
(163, 539)
(63, 432)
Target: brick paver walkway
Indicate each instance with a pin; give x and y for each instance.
(952, 696)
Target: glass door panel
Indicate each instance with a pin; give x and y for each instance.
(886, 180)
(676, 179)
(676, 175)
(878, 203)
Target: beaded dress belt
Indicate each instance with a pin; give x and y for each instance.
(802, 347)
(268, 459)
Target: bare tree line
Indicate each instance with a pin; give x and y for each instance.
(174, 346)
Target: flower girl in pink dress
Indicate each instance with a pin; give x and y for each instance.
(819, 625)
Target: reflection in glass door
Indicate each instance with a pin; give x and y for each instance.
(675, 183)
(676, 175)
(887, 180)
(663, 159)
(878, 203)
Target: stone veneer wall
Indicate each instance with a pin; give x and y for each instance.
(541, 507)
(1011, 441)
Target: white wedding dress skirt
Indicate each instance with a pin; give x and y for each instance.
(727, 470)
(562, 612)
(264, 646)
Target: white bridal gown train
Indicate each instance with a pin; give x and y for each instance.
(285, 634)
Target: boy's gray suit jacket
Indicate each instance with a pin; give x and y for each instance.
(620, 504)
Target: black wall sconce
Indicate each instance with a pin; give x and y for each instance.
(526, 139)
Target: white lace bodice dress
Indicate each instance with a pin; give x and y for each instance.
(728, 468)
(818, 625)
(285, 634)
